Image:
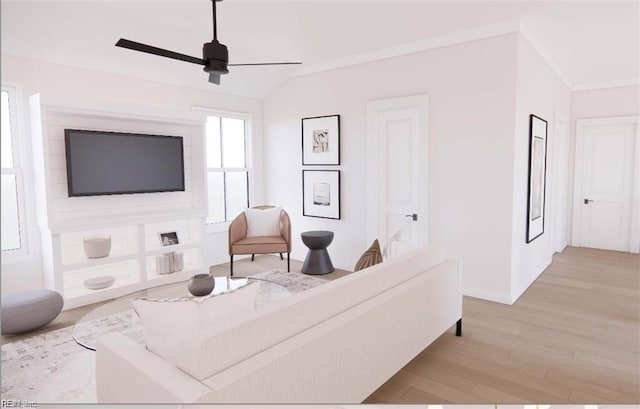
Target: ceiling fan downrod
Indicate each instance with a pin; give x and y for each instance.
(215, 21)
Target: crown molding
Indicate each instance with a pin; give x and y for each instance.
(445, 40)
(626, 82)
(526, 32)
(460, 37)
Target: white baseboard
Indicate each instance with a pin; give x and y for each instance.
(536, 273)
(487, 295)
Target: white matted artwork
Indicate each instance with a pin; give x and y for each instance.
(321, 140)
(537, 177)
(321, 193)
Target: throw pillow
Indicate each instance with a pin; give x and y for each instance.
(396, 247)
(164, 324)
(370, 257)
(263, 222)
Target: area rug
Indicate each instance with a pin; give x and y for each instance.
(53, 368)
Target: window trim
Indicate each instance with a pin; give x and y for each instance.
(17, 143)
(248, 147)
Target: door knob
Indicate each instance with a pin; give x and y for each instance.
(587, 201)
(413, 216)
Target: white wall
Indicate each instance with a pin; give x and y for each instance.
(472, 93)
(52, 79)
(599, 103)
(541, 92)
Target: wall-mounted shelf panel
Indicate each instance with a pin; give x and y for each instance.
(133, 221)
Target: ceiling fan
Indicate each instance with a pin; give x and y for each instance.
(215, 56)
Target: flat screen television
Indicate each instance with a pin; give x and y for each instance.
(111, 163)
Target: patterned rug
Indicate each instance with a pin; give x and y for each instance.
(53, 368)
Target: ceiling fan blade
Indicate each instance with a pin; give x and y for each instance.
(214, 78)
(132, 45)
(264, 63)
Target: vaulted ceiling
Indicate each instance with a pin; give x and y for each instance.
(588, 41)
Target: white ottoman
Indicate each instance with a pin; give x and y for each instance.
(29, 310)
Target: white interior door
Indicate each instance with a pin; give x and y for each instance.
(397, 159)
(605, 215)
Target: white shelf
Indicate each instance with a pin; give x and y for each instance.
(91, 223)
(134, 270)
(169, 249)
(97, 262)
(80, 290)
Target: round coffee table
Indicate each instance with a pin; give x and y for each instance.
(118, 315)
(317, 260)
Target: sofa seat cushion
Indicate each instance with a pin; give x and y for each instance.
(260, 245)
(208, 352)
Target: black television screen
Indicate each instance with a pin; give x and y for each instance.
(109, 163)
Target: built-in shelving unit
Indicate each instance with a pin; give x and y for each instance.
(133, 221)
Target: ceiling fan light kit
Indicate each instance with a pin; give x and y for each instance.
(215, 55)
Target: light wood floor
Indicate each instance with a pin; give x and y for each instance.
(574, 336)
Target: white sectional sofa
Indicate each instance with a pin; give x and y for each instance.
(335, 343)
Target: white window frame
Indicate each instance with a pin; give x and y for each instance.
(15, 103)
(217, 227)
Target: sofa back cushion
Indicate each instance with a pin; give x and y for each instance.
(165, 322)
(207, 352)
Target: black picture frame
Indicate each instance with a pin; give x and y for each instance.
(537, 177)
(169, 239)
(318, 200)
(325, 153)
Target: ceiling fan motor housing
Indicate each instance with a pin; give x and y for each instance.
(216, 56)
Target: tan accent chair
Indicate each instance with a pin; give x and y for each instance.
(239, 243)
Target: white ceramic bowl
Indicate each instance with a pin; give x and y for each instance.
(98, 283)
(97, 247)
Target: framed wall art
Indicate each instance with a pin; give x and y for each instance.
(169, 238)
(537, 177)
(321, 193)
(321, 140)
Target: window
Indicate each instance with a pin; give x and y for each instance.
(227, 168)
(11, 234)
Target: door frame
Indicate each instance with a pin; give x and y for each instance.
(581, 125)
(373, 192)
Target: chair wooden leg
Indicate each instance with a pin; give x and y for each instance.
(231, 265)
(288, 263)
(281, 258)
(253, 256)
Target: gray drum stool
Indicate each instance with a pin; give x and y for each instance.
(29, 310)
(317, 260)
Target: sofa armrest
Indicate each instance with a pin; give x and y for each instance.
(128, 372)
